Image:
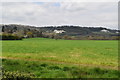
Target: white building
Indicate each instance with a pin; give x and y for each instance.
(104, 30)
(59, 31)
(25, 36)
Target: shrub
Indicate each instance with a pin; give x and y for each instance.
(9, 37)
(16, 75)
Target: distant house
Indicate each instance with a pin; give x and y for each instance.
(104, 30)
(25, 36)
(117, 32)
(59, 31)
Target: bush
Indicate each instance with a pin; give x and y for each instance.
(9, 37)
(16, 75)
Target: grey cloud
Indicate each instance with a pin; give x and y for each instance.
(86, 14)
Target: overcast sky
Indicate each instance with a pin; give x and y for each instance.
(61, 13)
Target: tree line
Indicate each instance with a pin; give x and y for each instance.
(18, 32)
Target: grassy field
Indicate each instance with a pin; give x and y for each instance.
(70, 58)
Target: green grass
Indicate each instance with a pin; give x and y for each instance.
(47, 70)
(93, 53)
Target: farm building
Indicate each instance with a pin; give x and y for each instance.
(59, 31)
(104, 30)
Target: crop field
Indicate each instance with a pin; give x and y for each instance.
(50, 58)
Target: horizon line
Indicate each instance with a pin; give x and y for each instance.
(61, 25)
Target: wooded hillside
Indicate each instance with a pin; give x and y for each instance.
(69, 32)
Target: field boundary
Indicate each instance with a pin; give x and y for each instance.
(62, 62)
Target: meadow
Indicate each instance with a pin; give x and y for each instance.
(49, 58)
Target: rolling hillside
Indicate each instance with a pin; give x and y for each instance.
(49, 31)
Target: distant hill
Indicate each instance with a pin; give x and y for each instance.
(21, 30)
(52, 31)
(77, 30)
